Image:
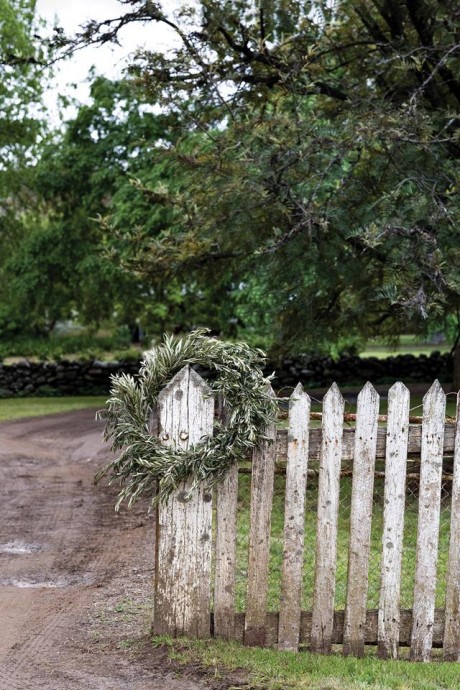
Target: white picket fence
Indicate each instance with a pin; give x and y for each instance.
(196, 562)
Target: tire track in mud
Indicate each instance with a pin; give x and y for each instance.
(40, 513)
(34, 649)
(48, 501)
(75, 577)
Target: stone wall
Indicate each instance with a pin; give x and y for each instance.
(93, 378)
(353, 370)
(60, 378)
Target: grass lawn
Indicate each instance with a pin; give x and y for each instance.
(408, 345)
(273, 670)
(15, 408)
(276, 545)
(276, 670)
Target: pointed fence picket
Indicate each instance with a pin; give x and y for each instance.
(263, 466)
(434, 405)
(393, 520)
(294, 519)
(452, 627)
(328, 514)
(224, 584)
(188, 559)
(360, 520)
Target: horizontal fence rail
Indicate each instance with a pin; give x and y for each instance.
(371, 535)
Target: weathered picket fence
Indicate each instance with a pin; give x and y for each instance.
(196, 559)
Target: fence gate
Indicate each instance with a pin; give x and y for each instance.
(370, 549)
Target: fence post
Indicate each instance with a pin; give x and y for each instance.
(360, 521)
(429, 504)
(452, 627)
(294, 520)
(184, 523)
(328, 515)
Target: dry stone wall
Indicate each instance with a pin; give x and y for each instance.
(60, 378)
(93, 377)
(323, 371)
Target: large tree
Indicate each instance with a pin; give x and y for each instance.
(23, 75)
(321, 146)
(58, 270)
(104, 161)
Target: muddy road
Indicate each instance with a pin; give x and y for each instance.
(75, 577)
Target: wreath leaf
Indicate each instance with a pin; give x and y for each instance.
(146, 466)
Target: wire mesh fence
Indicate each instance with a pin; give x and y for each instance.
(375, 553)
(318, 561)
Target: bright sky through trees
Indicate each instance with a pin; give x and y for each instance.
(109, 60)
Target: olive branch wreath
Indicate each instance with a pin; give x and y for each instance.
(146, 466)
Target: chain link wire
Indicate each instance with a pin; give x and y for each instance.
(375, 554)
(409, 539)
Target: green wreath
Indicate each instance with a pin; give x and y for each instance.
(148, 467)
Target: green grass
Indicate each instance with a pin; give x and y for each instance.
(383, 352)
(408, 345)
(274, 670)
(276, 545)
(15, 408)
(276, 540)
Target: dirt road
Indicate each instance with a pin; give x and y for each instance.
(75, 578)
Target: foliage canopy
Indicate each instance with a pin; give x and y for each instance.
(23, 127)
(21, 114)
(319, 147)
(299, 189)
